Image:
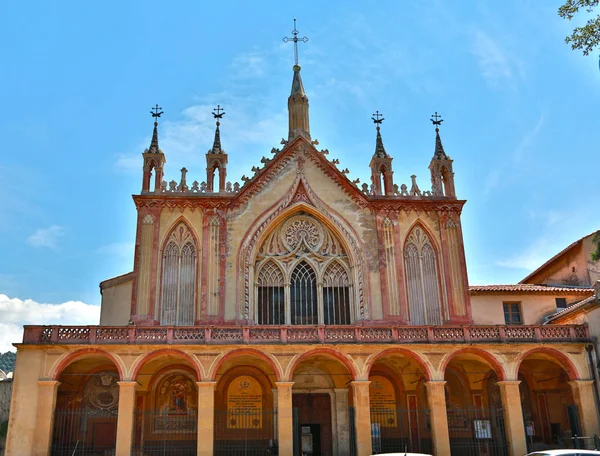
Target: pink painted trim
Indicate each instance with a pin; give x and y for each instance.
(82, 353)
(167, 351)
(325, 351)
(407, 353)
(562, 360)
(487, 356)
(246, 351)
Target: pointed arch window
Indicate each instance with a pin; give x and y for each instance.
(303, 276)
(178, 278)
(270, 295)
(303, 291)
(336, 295)
(424, 300)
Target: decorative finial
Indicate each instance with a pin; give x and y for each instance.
(436, 120)
(218, 114)
(295, 40)
(377, 119)
(439, 153)
(156, 113)
(379, 149)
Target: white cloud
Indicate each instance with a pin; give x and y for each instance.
(124, 249)
(252, 126)
(46, 237)
(497, 65)
(15, 312)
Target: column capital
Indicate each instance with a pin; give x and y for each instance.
(281, 385)
(206, 384)
(433, 384)
(509, 382)
(580, 383)
(48, 383)
(360, 382)
(341, 390)
(126, 383)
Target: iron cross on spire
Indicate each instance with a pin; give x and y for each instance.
(377, 118)
(295, 40)
(217, 114)
(156, 112)
(436, 120)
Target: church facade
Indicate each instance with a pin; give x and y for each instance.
(302, 313)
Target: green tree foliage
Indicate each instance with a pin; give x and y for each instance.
(596, 253)
(7, 361)
(587, 37)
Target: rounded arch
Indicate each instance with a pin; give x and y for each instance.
(69, 358)
(556, 356)
(162, 352)
(402, 351)
(348, 364)
(212, 375)
(488, 357)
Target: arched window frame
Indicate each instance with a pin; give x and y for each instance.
(320, 264)
(417, 286)
(180, 249)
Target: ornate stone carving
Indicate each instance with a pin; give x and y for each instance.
(301, 229)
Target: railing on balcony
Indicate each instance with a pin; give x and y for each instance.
(300, 334)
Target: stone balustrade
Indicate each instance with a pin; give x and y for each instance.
(301, 334)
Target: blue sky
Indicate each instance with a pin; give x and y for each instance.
(78, 80)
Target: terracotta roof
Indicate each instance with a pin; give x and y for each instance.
(528, 288)
(559, 254)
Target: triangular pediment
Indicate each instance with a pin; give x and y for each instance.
(299, 150)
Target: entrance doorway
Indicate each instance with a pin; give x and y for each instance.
(314, 423)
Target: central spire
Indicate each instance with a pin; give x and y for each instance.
(298, 101)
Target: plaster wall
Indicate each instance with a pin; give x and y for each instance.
(574, 267)
(115, 309)
(488, 309)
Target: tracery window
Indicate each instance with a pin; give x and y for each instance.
(303, 276)
(424, 299)
(271, 295)
(303, 293)
(178, 278)
(336, 295)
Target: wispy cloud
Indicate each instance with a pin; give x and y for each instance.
(498, 66)
(526, 144)
(556, 230)
(46, 237)
(15, 312)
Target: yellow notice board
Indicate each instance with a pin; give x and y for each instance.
(244, 403)
(383, 401)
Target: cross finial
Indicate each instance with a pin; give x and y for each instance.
(295, 40)
(436, 120)
(156, 113)
(377, 119)
(218, 113)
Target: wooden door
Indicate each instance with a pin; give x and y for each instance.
(315, 409)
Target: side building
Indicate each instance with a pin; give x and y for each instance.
(301, 310)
